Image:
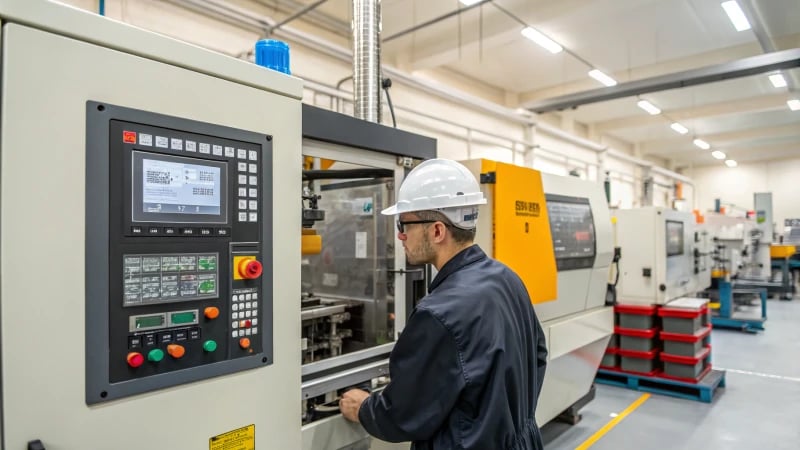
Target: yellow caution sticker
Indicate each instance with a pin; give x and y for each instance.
(240, 439)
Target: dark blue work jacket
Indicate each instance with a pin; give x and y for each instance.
(467, 370)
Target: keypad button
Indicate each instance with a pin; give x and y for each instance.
(242, 167)
(218, 150)
(253, 193)
(255, 321)
(248, 296)
(242, 192)
(235, 298)
(241, 153)
(253, 155)
(255, 330)
(242, 204)
(235, 324)
(235, 315)
(230, 152)
(235, 306)
(253, 217)
(242, 217)
(255, 295)
(252, 168)
(253, 180)
(242, 179)
(253, 204)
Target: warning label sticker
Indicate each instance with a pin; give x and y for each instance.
(240, 439)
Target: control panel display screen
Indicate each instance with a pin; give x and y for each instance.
(674, 238)
(572, 229)
(178, 190)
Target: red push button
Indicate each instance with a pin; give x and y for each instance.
(250, 268)
(135, 359)
(247, 324)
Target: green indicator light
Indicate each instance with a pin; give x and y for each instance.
(208, 287)
(209, 346)
(183, 317)
(155, 355)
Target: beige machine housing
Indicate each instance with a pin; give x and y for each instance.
(55, 59)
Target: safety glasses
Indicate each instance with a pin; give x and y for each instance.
(401, 225)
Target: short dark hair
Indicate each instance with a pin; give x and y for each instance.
(460, 235)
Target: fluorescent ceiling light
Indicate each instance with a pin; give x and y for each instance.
(649, 107)
(736, 15)
(679, 128)
(731, 163)
(544, 41)
(777, 80)
(794, 105)
(603, 78)
(469, 2)
(718, 154)
(702, 144)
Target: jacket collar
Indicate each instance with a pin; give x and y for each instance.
(461, 259)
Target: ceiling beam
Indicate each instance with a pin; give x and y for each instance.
(785, 59)
(733, 107)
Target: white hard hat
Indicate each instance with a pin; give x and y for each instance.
(441, 185)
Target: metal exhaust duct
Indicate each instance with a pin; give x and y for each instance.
(367, 60)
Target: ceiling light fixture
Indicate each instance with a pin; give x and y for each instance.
(679, 128)
(731, 163)
(544, 41)
(603, 78)
(777, 80)
(649, 107)
(702, 144)
(736, 15)
(468, 2)
(718, 154)
(794, 105)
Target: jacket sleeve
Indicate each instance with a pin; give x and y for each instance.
(541, 355)
(426, 381)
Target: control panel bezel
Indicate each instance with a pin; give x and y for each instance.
(111, 233)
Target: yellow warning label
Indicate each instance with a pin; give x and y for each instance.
(240, 439)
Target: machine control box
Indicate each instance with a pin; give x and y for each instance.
(179, 265)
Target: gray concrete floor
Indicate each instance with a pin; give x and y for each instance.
(759, 408)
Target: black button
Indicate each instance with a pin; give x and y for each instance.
(206, 232)
(223, 232)
(153, 230)
(136, 230)
(149, 340)
(194, 333)
(134, 342)
(170, 230)
(165, 337)
(187, 231)
(181, 335)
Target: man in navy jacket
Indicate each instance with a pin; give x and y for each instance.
(467, 370)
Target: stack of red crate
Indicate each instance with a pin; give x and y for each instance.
(686, 337)
(635, 346)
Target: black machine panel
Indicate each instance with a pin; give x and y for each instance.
(572, 228)
(188, 254)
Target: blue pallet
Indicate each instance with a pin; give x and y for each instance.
(703, 391)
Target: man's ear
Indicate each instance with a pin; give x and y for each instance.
(439, 232)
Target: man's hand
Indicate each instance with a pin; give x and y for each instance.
(350, 403)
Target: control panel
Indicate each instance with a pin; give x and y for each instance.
(188, 274)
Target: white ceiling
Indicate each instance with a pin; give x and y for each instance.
(630, 40)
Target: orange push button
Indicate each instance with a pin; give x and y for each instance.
(247, 267)
(211, 312)
(176, 351)
(135, 359)
(244, 342)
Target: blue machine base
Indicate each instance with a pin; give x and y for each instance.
(703, 391)
(750, 326)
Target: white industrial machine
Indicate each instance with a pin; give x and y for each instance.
(664, 256)
(577, 247)
(150, 286)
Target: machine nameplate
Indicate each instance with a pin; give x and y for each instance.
(240, 439)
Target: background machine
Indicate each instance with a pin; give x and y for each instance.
(149, 283)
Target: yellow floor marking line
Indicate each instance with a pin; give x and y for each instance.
(612, 423)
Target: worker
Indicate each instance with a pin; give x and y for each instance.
(467, 370)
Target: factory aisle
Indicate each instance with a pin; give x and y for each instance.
(757, 409)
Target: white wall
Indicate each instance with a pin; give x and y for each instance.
(462, 132)
(737, 185)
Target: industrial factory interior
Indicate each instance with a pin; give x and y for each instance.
(243, 209)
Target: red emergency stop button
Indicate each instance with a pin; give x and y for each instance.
(135, 359)
(250, 268)
(244, 343)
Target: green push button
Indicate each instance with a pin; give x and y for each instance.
(209, 346)
(155, 355)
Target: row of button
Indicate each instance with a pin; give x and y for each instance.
(248, 192)
(151, 339)
(174, 231)
(245, 204)
(244, 314)
(245, 332)
(245, 167)
(243, 297)
(176, 144)
(252, 180)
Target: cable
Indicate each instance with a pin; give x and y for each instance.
(387, 83)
